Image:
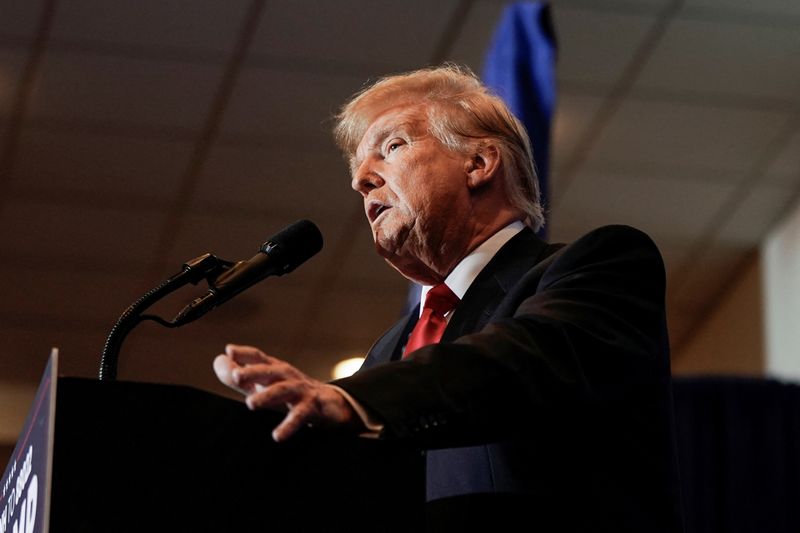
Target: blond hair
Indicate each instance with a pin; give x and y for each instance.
(460, 111)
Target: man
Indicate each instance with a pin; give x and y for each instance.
(547, 398)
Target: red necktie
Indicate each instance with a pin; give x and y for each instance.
(439, 301)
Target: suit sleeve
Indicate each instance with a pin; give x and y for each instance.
(587, 332)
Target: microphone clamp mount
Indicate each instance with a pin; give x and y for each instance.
(206, 266)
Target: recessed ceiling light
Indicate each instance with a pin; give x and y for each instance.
(347, 367)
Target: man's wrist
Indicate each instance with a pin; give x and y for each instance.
(371, 424)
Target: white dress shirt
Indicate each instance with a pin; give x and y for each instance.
(459, 281)
(465, 272)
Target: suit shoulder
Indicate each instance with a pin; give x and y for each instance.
(616, 236)
(618, 247)
(619, 231)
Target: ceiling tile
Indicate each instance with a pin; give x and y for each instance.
(95, 298)
(670, 210)
(680, 324)
(669, 168)
(100, 164)
(52, 233)
(573, 115)
(19, 18)
(363, 264)
(394, 35)
(620, 6)
(595, 47)
(178, 356)
(566, 229)
(16, 399)
(358, 317)
(27, 349)
(201, 24)
(675, 257)
(575, 23)
(475, 34)
(775, 7)
(785, 168)
(11, 64)
(708, 276)
(719, 58)
(755, 215)
(647, 132)
(287, 106)
(124, 90)
(351, 260)
(289, 183)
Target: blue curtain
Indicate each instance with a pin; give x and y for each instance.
(520, 67)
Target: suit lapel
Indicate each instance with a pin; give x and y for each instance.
(481, 300)
(483, 297)
(390, 346)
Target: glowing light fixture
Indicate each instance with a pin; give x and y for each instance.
(346, 367)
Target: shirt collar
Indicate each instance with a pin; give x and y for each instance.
(465, 272)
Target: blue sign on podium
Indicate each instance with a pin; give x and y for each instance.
(25, 486)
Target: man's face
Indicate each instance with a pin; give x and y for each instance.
(415, 193)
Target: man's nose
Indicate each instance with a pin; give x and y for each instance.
(365, 179)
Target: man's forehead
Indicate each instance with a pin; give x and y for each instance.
(408, 117)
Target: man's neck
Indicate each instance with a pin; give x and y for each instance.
(465, 272)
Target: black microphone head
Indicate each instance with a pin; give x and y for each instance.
(294, 245)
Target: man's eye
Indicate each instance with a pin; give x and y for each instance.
(392, 146)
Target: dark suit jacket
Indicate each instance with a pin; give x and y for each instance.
(549, 398)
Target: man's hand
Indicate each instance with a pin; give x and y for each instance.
(269, 383)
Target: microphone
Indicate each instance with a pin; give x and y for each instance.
(279, 255)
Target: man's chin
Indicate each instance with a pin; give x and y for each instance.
(410, 267)
(387, 246)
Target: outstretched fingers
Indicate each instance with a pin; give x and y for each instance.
(225, 368)
(277, 396)
(280, 396)
(246, 355)
(297, 417)
(246, 377)
(270, 383)
(245, 368)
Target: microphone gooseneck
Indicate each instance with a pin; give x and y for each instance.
(279, 255)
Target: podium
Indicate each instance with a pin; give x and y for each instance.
(123, 456)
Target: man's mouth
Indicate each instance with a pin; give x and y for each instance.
(375, 209)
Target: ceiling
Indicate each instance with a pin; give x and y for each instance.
(135, 135)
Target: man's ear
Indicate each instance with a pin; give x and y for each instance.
(483, 165)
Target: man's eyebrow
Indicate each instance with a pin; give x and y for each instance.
(377, 137)
(380, 135)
